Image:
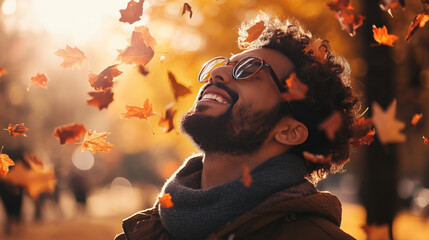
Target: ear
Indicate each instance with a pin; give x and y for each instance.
(290, 132)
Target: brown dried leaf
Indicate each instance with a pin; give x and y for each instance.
(255, 31)
(17, 129)
(139, 52)
(69, 133)
(73, 57)
(187, 8)
(132, 13)
(318, 49)
(166, 122)
(246, 178)
(139, 112)
(104, 80)
(96, 142)
(331, 125)
(296, 90)
(419, 21)
(416, 118)
(339, 5)
(100, 99)
(382, 37)
(165, 201)
(387, 126)
(179, 90)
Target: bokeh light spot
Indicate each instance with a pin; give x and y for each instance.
(82, 160)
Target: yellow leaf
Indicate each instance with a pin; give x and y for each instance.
(5, 163)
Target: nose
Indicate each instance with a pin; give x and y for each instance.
(222, 74)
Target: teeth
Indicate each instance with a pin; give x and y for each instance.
(214, 97)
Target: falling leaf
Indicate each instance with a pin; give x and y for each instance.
(255, 31)
(416, 118)
(143, 70)
(331, 125)
(73, 57)
(187, 8)
(387, 126)
(35, 180)
(339, 5)
(166, 122)
(2, 71)
(5, 163)
(379, 232)
(140, 51)
(316, 158)
(147, 37)
(246, 178)
(389, 5)
(419, 21)
(104, 80)
(318, 49)
(425, 140)
(139, 112)
(100, 99)
(363, 132)
(96, 142)
(16, 130)
(132, 13)
(165, 201)
(179, 90)
(39, 80)
(69, 133)
(296, 90)
(349, 21)
(382, 37)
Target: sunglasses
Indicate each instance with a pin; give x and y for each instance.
(243, 69)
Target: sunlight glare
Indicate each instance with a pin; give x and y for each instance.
(9, 7)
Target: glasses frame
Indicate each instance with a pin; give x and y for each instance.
(276, 80)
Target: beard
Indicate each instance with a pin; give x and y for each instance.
(233, 132)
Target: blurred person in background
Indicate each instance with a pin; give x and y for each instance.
(246, 116)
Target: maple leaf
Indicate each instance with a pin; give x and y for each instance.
(104, 80)
(187, 8)
(296, 90)
(5, 163)
(73, 57)
(419, 21)
(69, 133)
(382, 37)
(166, 122)
(331, 125)
(39, 80)
(416, 118)
(425, 140)
(389, 5)
(318, 49)
(2, 71)
(100, 99)
(246, 178)
(17, 129)
(316, 158)
(165, 201)
(388, 128)
(96, 142)
(349, 21)
(35, 180)
(132, 13)
(255, 31)
(139, 112)
(363, 132)
(140, 51)
(179, 90)
(147, 37)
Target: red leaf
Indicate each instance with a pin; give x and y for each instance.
(187, 8)
(425, 140)
(140, 51)
(316, 158)
(419, 21)
(349, 21)
(39, 80)
(100, 99)
(69, 133)
(165, 201)
(16, 130)
(179, 90)
(73, 57)
(132, 13)
(416, 118)
(339, 5)
(382, 37)
(104, 80)
(166, 121)
(296, 90)
(363, 132)
(246, 178)
(255, 31)
(331, 125)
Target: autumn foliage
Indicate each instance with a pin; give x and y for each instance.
(165, 201)
(133, 12)
(104, 80)
(17, 129)
(73, 57)
(5, 163)
(69, 133)
(96, 142)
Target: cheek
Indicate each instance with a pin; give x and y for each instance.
(261, 98)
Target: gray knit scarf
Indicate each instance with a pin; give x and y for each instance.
(199, 212)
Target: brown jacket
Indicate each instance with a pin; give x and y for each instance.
(300, 212)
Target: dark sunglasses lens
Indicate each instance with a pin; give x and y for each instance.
(208, 67)
(247, 67)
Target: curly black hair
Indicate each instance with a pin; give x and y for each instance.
(329, 90)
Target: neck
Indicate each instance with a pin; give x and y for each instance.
(220, 168)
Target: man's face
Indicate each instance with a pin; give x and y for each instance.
(236, 115)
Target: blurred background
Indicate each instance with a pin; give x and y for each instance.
(94, 192)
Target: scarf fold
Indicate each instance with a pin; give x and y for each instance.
(199, 212)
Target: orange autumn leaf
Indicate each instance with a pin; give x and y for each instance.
(318, 49)
(387, 126)
(5, 163)
(296, 90)
(132, 13)
(166, 122)
(179, 90)
(331, 125)
(416, 118)
(17, 129)
(187, 8)
(39, 80)
(316, 158)
(72, 57)
(363, 132)
(139, 112)
(382, 37)
(165, 201)
(255, 31)
(246, 178)
(104, 80)
(344, 12)
(2, 71)
(425, 140)
(419, 21)
(69, 133)
(96, 142)
(100, 99)
(140, 52)
(36, 180)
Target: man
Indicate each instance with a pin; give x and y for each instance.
(241, 119)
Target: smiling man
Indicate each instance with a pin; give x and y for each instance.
(241, 119)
